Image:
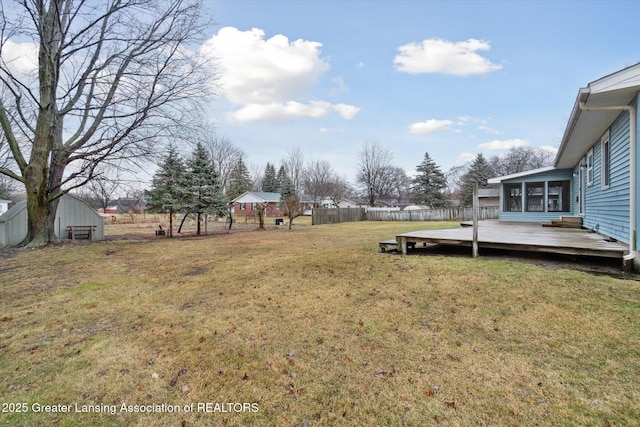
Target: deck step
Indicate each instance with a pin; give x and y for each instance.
(388, 245)
(565, 222)
(392, 245)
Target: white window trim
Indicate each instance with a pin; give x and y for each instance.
(589, 170)
(603, 176)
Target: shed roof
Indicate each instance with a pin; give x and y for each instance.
(13, 210)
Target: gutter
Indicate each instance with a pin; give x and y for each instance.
(632, 171)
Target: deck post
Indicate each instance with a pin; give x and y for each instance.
(475, 220)
(402, 244)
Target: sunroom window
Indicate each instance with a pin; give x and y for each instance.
(513, 197)
(535, 196)
(558, 196)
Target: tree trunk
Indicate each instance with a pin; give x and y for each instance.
(171, 222)
(39, 181)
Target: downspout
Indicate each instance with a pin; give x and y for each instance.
(632, 172)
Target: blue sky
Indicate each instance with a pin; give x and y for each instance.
(449, 78)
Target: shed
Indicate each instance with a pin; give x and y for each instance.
(71, 212)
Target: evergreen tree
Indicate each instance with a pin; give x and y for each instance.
(269, 181)
(239, 180)
(429, 186)
(479, 171)
(283, 180)
(168, 187)
(203, 186)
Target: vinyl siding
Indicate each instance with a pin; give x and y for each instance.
(607, 209)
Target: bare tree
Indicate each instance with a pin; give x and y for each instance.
(256, 172)
(294, 164)
(114, 79)
(398, 184)
(224, 155)
(454, 178)
(520, 159)
(318, 175)
(7, 187)
(374, 170)
(338, 189)
(102, 190)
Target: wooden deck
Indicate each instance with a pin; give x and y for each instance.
(517, 237)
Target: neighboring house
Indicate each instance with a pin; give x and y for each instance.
(4, 205)
(126, 205)
(326, 203)
(594, 174)
(71, 212)
(247, 203)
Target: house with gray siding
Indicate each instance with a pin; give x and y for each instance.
(72, 212)
(594, 176)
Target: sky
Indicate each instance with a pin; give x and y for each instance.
(448, 78)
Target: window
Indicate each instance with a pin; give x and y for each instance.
(513, 197)
(558, 196)
(605, 160)
(535, 196)
(243, 206)
(254, 206)
(590, 167)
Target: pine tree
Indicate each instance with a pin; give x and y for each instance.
(283, 181)
(429, 186)
(269, 181)
(203, 186)
(479, 171)
(168, 190)
(239, 180)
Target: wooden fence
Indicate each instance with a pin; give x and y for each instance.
(335, 216)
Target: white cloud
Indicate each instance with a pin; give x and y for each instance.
(270, 78)
(464, 158)
(21, 58)
(489, 130)
(430, 126)
(505, 144)
(347, 112)
(441, 56)
(289, 110)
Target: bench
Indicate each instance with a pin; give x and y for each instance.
(81, 232)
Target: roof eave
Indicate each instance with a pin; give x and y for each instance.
(500, 179)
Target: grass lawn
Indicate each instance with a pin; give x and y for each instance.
(312, 326)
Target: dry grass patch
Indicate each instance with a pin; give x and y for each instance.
(316, 327)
